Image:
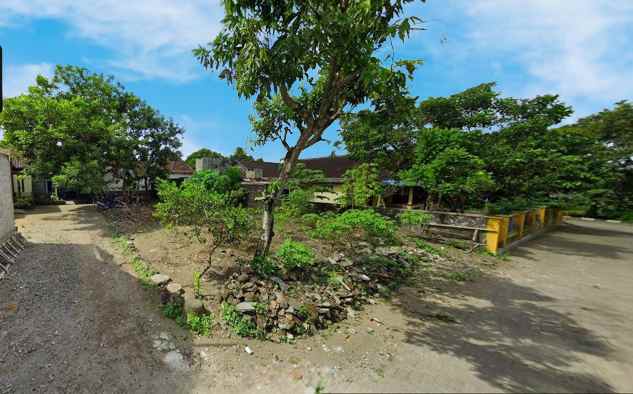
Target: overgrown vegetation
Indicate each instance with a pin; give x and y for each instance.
(207, 207)
(295, 255)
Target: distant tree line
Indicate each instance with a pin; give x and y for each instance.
(84, 130)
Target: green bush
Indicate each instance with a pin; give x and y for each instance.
(295, 255)
(414, 218)
(263, 266)
(372, 225)
(23, 202)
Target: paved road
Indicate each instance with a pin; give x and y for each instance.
(558, 317)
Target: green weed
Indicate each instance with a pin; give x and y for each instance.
(240, 325)
(200, 324)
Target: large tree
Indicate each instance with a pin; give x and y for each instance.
(202, 153)
(77, 127)
(306, 63)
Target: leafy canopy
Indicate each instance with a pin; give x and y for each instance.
(78, 126)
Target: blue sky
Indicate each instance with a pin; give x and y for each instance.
(580, 49)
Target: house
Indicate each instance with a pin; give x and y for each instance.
(178, 170)
(258, 174)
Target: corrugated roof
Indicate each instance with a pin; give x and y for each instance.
(333, 167)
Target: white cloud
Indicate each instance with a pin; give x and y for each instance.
(17, 78)
(150, 38)
(580, 49)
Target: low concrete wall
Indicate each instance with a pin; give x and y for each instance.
(6, 199)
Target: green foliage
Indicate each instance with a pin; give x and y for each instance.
(240, 155)
(197, 283)
(225, 182)
(264, 266)
(238, 323)
(174, 311)
(450, 174)
(414, 218)
(361, 185)
(295, 255)
(306, 63)
(23, 202)
(206, 204)
(201, 324)
(143, 271)
(202, 153)
(77, 127)
(364, 223)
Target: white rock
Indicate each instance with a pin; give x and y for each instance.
(248, 350)
(174, 288)
(245, 307)
(175, 360)
(160, 279)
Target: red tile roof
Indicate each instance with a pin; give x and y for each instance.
(179, 167)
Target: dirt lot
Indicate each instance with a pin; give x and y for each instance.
(556, 317)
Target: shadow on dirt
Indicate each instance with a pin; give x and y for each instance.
(508, 332)
(78, 323)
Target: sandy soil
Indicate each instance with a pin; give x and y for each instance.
(556, 317)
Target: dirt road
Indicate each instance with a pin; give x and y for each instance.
(557, 317)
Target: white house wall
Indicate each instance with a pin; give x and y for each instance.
(6, 199)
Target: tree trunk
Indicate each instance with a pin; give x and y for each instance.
(268, 217)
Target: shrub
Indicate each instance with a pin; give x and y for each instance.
(373, 225)
(24, 202)
(295, 255)
(414, 218)
(173, 311)
(263, 266)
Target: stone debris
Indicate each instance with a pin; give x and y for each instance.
(160, 279)
(248, 350)
(290, 304)
(175, 360)
(245, 307)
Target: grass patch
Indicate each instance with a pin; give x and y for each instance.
(143, 271)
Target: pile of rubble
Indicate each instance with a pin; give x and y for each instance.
(297, 307)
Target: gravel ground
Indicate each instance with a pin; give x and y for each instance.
(72, 320)
(556, 318)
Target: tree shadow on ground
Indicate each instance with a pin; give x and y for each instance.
(78, 323)
(568, 240)
(508, 332)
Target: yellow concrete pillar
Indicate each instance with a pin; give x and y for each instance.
(558, 215)
(541, 214)
(410, 202)
(520, 222)
(493, 225)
